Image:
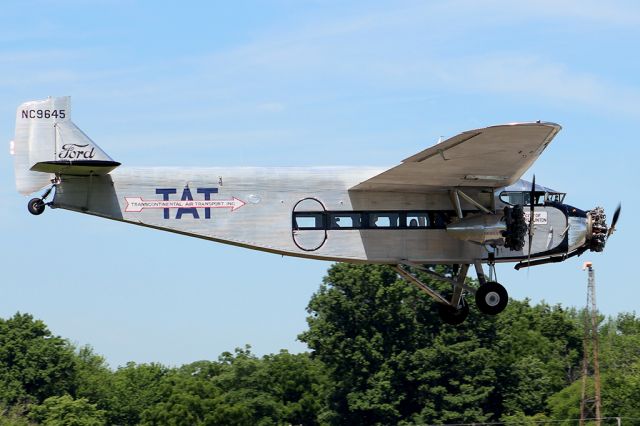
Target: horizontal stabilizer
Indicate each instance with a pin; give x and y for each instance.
(76, 168)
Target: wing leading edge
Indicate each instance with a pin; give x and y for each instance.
(490, 157)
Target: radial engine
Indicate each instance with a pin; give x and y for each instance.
(508, 229)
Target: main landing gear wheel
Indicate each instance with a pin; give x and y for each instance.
(491, 298)
(453, 316)
(36, 206)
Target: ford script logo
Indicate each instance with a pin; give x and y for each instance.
(72, 151)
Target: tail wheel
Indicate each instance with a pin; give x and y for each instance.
(453, 316)
(491, 298)
(36, 206)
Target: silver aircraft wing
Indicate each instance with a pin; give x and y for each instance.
(491, 157)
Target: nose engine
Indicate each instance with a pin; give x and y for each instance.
(597, 232)
(597, 229)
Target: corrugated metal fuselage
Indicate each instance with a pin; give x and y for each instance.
(253, 208)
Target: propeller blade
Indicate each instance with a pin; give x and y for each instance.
(616, 215)
(531, 212)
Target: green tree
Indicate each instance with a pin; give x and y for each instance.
(34, 364)
(135, 387)
(94, 379)
(379, 337)
(14, 415)
(243, 400)
(65, 411)
(298, 383)
(392, 360)
(565, 404)
(619, 371)
(184, 399)
(540, 350)
(276, 389)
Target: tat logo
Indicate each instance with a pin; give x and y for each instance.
(185, 205)
(72, 151)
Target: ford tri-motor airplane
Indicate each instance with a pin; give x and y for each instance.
(460, 202)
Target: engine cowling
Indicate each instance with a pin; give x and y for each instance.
(481, 229)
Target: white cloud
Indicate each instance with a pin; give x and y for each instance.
(539, 79)
(357, 51)
(392, 48)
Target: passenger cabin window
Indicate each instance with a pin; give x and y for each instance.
(334, 220)
(418, 220)
(345, 220)
(384, 220)
(308, 221)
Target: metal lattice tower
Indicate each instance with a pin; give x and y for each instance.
(590, 401)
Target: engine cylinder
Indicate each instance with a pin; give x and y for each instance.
(596, 229)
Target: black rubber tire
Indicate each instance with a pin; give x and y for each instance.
(491, 298)
(36, 206)
(454, 316)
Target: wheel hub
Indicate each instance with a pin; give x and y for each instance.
(492, 298)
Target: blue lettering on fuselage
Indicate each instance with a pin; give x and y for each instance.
(165, 197)
(186, 196)
(207, 196)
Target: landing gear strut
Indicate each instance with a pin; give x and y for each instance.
(491, 298)
(454, 310)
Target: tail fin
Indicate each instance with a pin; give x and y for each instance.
(47, 142)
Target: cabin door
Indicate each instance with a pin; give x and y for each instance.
(308, 226)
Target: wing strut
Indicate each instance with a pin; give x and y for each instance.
(472, 201)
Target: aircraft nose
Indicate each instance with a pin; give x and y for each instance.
(598, 231)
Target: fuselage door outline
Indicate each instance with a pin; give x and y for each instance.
(308, 230)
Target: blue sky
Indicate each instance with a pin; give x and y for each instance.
(292, 83)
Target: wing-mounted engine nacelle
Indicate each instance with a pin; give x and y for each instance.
(508, 229)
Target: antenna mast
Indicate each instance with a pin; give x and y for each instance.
(590, 403)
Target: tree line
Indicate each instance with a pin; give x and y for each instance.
(379, 354)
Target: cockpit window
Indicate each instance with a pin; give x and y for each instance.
(514, 198)
(522, 197)
(554, 197)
